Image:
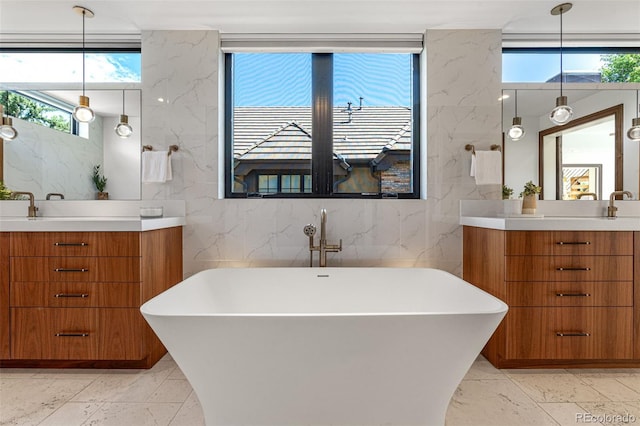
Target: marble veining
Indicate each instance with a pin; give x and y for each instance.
(463, 83)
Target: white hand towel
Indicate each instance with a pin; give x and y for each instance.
(488, 167)
(472, 172)
(156, 166)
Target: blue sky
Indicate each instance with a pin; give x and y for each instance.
(276, 79)
(532, 68)
(285, 79)
(67, 67)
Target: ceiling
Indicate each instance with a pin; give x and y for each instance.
(50, 17)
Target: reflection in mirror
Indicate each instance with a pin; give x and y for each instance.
(583, 156)
(60, 160)
(534, 158)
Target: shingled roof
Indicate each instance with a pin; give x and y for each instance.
(284, 133)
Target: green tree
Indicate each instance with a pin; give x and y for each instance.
(29, 109)
(621, 68)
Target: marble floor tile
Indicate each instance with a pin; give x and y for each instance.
(171, 390)
(546, 387)
(482, 369)
(613, 388)
(72, 414)
(190, 414)
(162, 396)
(138, 414)
(494, 403)
(125, 387)
(565, 413)
(29, 401)
(613, 413)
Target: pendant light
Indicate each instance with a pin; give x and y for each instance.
(634, 131)
(83, 113)
(562, 113)
(516, 132)
(7, 131)
(123, 129)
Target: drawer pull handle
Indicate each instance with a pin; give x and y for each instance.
(573, 294)
(72, 334)
(573, 269)
(71, 270)
(70, 244)
(82, 295)
(561, 334)
(574, 243)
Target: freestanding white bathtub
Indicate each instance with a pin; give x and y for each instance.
(328, 346)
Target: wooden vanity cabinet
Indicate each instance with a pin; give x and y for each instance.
(74, 297)
(570, 295)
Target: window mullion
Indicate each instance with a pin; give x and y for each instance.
(322, 123)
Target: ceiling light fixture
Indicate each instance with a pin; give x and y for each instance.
(123, 129)
(7, 131)
(634, 131)
(83, 113)
(562, 113)
(516, 132)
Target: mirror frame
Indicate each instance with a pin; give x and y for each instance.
(618, 112)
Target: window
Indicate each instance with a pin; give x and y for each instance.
(65, 66)
(322, 124)
(580, 65)
(39, 108)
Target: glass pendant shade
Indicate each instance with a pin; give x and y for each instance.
(634, 131)
(124, 129)
(562, 113)
(7, 131)
(83, 113)
(516, 132)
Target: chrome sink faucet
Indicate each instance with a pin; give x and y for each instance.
(323, 248)
(32, 206)
(612, 210)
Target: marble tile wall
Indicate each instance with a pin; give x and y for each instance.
(463, 83)
(42, 160)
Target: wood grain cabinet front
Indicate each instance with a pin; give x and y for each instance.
(74, 297)
(570, 295)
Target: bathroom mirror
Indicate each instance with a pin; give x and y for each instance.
(44, 161)
(590, 154)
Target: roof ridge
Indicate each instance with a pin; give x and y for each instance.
(271, 135)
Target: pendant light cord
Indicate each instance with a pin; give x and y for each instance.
(516, 101)
(84, 12)
(561, 68)
(122, 102)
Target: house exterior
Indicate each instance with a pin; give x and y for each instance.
(371, 149)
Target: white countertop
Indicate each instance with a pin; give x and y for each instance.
(86, 223)
(553, 223)
(552, 216)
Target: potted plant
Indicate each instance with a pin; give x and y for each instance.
(506, 192)
(530, 197)
(100, 182)
(5, 193)
(511, 206)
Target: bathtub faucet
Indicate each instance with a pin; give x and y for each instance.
(323, 248)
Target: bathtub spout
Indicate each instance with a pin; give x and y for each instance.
(323, 248)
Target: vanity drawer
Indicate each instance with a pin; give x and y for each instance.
(87, 269)
(569, 243)
(569, 333)
(75, 244)
(570, 293)
(569, 268)
(75, 294)
(76, 333)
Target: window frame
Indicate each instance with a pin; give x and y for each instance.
(322, 118)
